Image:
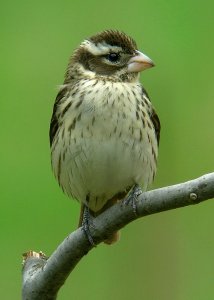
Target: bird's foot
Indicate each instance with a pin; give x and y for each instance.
(131, 199)
(86, 224)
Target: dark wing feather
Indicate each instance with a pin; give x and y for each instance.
(54, 125)
(154, 118)
(156, 122)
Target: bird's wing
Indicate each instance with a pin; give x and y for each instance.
(154, 118)
(156, 123)
(54, 125)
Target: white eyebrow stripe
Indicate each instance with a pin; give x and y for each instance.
(100, 48)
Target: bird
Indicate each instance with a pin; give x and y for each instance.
(104, 131)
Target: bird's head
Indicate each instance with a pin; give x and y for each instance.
(110, 54)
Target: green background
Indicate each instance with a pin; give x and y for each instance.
(164, 256)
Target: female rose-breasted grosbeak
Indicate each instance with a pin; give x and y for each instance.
(104, 132)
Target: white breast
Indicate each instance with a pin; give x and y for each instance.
(103, 147)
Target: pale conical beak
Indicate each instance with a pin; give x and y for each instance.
(139, 62)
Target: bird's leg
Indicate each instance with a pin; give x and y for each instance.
(86, 223)
(131, 199)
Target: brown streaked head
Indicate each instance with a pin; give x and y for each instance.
(109, 54)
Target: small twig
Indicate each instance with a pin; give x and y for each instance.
(42, 277)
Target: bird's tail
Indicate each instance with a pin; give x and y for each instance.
(115, 237)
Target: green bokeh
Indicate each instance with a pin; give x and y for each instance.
(165, 256)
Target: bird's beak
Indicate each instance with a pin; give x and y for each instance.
(139, 62)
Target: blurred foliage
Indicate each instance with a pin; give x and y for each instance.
(165, 256)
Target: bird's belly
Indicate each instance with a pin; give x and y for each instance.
(98, 168)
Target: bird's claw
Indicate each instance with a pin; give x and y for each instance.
(86, 224)
(131, 199)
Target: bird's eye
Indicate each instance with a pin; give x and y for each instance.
(113, 57)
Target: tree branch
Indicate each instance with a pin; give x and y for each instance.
(43, 277)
